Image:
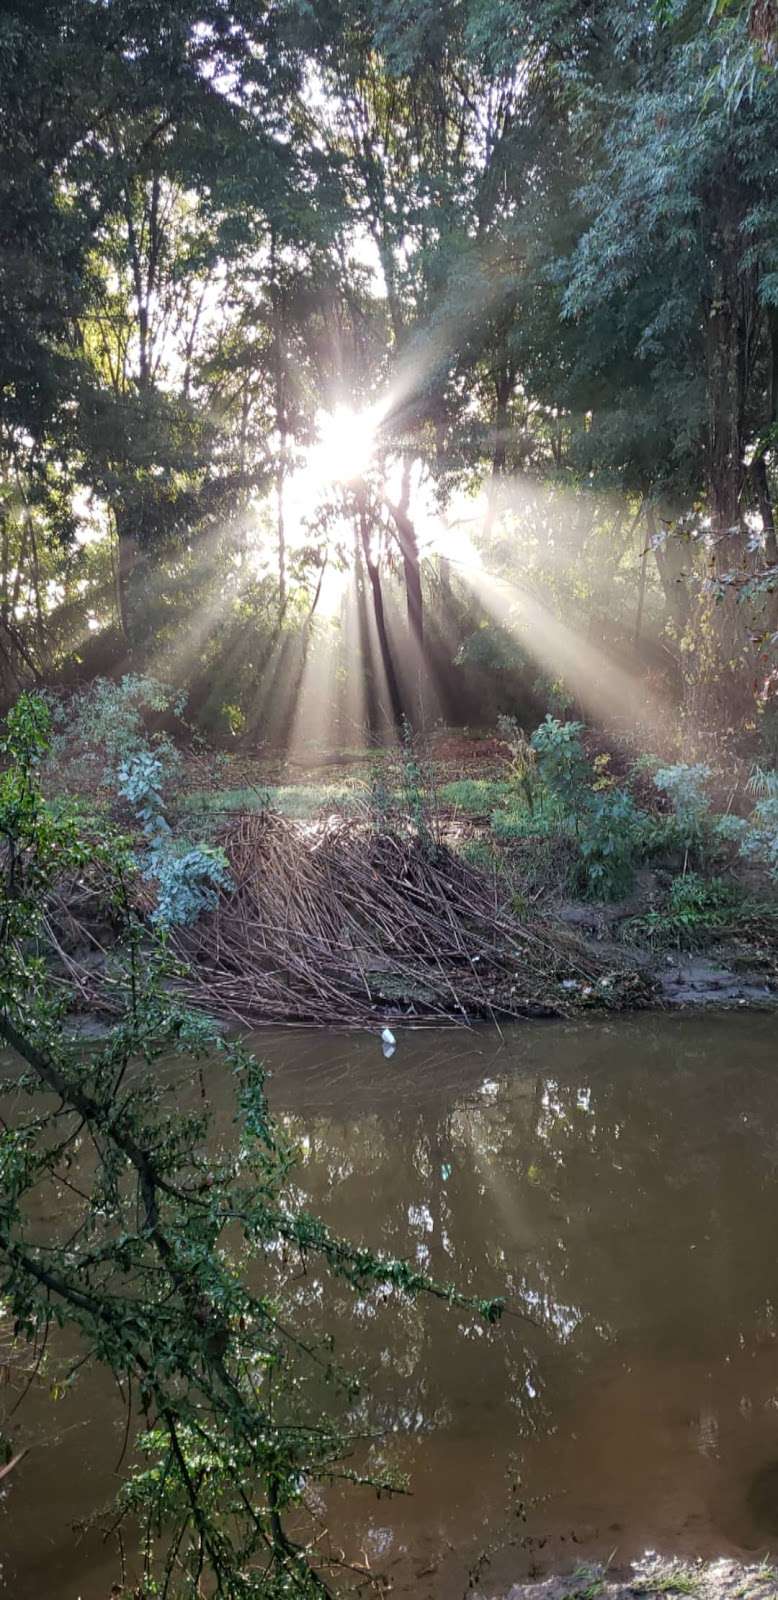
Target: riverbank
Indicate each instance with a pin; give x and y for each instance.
(651, 1578)
(645, 905)
(444, 885)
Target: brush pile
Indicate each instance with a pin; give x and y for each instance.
(337, 924)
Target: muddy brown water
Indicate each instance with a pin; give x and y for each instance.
(619, 1180)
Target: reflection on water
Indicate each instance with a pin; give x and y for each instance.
(618, 1182)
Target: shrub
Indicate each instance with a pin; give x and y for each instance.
(140, 781)
(561, 761)
(188, 876)
(610, 843)
(696, 909)
(761, 840)
(102, 727)
(491, 648)
(555, 693)
(418, 794)
(685, 787)
(188, 882)
(523, 768)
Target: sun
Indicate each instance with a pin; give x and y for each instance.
(343, 451)
(346, 443)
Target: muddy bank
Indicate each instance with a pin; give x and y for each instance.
(725, 972)
(696, 980)
(652, 1577)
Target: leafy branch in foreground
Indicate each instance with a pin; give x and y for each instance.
(165, 1252)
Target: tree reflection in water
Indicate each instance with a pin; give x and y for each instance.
(618, 1181)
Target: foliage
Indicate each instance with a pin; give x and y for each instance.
(610, 841)
(103, 732)
(518, 822)
(561, 762)
(686, 788)
(188, 877)
(402, 793)
(418, 794)
(475, 795)
(699, 909)
(103, 727)
(189, 881)
(761, 840)
(140, 781)
(491, 648)
(164, 1260)
(557, 210)
(523, 758)
(555, 693)
(728, 830)
(608, 826)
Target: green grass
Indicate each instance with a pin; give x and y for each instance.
(764, 1573)
(680, 1580)
(587, 1584)
(520, 823)
(300, 801)
(698, 910)
(476, 794)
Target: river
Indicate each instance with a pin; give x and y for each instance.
(618, 1180)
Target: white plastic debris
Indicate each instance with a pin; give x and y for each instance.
(388, 1042)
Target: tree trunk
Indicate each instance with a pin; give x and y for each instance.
(126, 576)
(762, 492)
(641, 598)
(363, 635)
(725, 468)
(728, 366)
(504, 380)
(409, 547)
(281, 526)
(392, 684)
(668, 555)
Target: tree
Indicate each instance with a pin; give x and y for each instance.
(162, 1257)
(679, 256)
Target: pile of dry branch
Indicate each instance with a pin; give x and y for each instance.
(335, 924)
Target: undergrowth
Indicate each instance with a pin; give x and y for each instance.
(697, 910)
(476, 795)
(296, 801)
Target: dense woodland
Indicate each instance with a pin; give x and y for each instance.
(439, 341)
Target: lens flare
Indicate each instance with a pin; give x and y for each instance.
(346, 443)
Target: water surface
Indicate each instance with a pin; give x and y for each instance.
(619, 1182)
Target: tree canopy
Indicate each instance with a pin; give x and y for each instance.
(292, 296)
